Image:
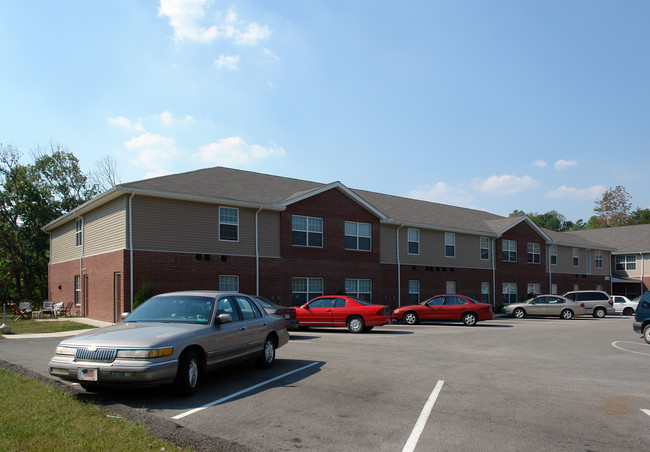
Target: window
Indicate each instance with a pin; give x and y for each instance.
(624, 263)
(360, 288)
(509, 251)
(306, 231)
(77, 290)
(357, 236)
(247, 308)
(226, 305)
(534, 289)
(554, 289)
(229, 283)
(304, 289)
(414, 241)
(576, 257)
(509, 293)
(534, 253)
(79, 232)
(450, 244)
(485, 292)
(414, 292)
(553, 254)
(485, 248)
(598, 256)
(450, 286)
(228, 224)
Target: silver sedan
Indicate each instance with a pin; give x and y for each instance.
(172, 338)
(546, 305)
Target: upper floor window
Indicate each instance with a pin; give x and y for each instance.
(414, 241)
(306, 231)
(552, 251)
(357, 236)
(509, 250)
(624, 263)
(534, 253)
(450, 244)
(79, 232)
(228, 223)
(576, 257)
(485, 248)
(598, 256)
(360, 288)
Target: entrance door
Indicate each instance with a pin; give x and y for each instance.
(117, 296)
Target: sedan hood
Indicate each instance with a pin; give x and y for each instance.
(134, 335)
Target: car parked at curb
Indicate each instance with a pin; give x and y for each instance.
(642, 317)
(448, 307)
(597, 302)
(359, 316)
(172, 338)
(289, 314)
(623, 305)
(546, 305)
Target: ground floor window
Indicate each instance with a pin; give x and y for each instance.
(533, 289)
(450, 287)
(77, 290)
(554, 289)
(304, 289)
(229, 283)
(360, 288)
(509, 293)
(485, 292)
(414, 292)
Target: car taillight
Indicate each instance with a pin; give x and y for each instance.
(383, 311)
(611, 303)
(582, 305)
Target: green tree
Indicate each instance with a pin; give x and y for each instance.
(641, 216)
(614, 207)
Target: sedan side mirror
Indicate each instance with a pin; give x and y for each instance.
(124, 316)
(223, 318)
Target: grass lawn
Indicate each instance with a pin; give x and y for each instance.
(24, 326)
(34, 416)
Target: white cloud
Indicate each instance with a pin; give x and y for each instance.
(576, 193)
(186, 16)
(227, 61)
(270, 55)
(442, 193)
(505, 184)
(152, 151)
(125, 123)
(234, 151)
(564, 164)
(540, 163)
(166, 117)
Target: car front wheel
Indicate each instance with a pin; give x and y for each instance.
(519, 313)
(187, 376)
(599, 313)
(646, 334)
(566, 314)
(410, 318)
(356, 324)
(470, 319)
(266, 359)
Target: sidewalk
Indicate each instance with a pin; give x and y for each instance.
(87, 321)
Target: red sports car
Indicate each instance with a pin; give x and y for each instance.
(339, 310)
(445, 307)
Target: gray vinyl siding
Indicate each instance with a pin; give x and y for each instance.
(432, 249)
(62, 244)
(193, 227)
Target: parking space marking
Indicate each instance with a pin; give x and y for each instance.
(646, 411)
(422, 420)
(243, 391)
(614, 344)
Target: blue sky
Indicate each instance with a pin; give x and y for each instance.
(493, 105)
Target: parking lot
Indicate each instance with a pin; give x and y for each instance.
(505, 384)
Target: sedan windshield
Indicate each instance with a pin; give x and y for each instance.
(176, 309)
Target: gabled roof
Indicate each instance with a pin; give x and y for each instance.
(624, 239)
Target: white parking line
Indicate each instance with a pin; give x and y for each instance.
(243, 391)
(636, 344)
(422, 420)
(646, 411)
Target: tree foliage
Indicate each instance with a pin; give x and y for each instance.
(614, 208)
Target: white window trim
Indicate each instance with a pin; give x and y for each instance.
(453, 244)
(306, 231)
(235, 277)
(552, 253)
(575, 255)
(358, 236)
(409, 241)
(230, 224)
(508, 250)
(487, 248)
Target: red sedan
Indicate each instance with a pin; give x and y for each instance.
(338, 310)
(445, 307)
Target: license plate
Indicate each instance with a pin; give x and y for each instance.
(87, 374)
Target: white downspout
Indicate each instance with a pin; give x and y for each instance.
(131, 249)
(550, 271)
(257, 254)
(82, 295)
(494, 275)
(399, 271)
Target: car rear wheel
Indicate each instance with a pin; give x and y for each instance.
(646, 333)
(410, 318)
(470, 319)
(566, 314)
(599, 313)
(519, 313)
(356, 324)
(266, 359)
(187, 375)
(628, 311)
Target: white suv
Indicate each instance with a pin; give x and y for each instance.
(596, 301)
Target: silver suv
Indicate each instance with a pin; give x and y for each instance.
(595, 301)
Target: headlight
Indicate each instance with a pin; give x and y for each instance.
(62, 350)
(146, 353)
(396, 311)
